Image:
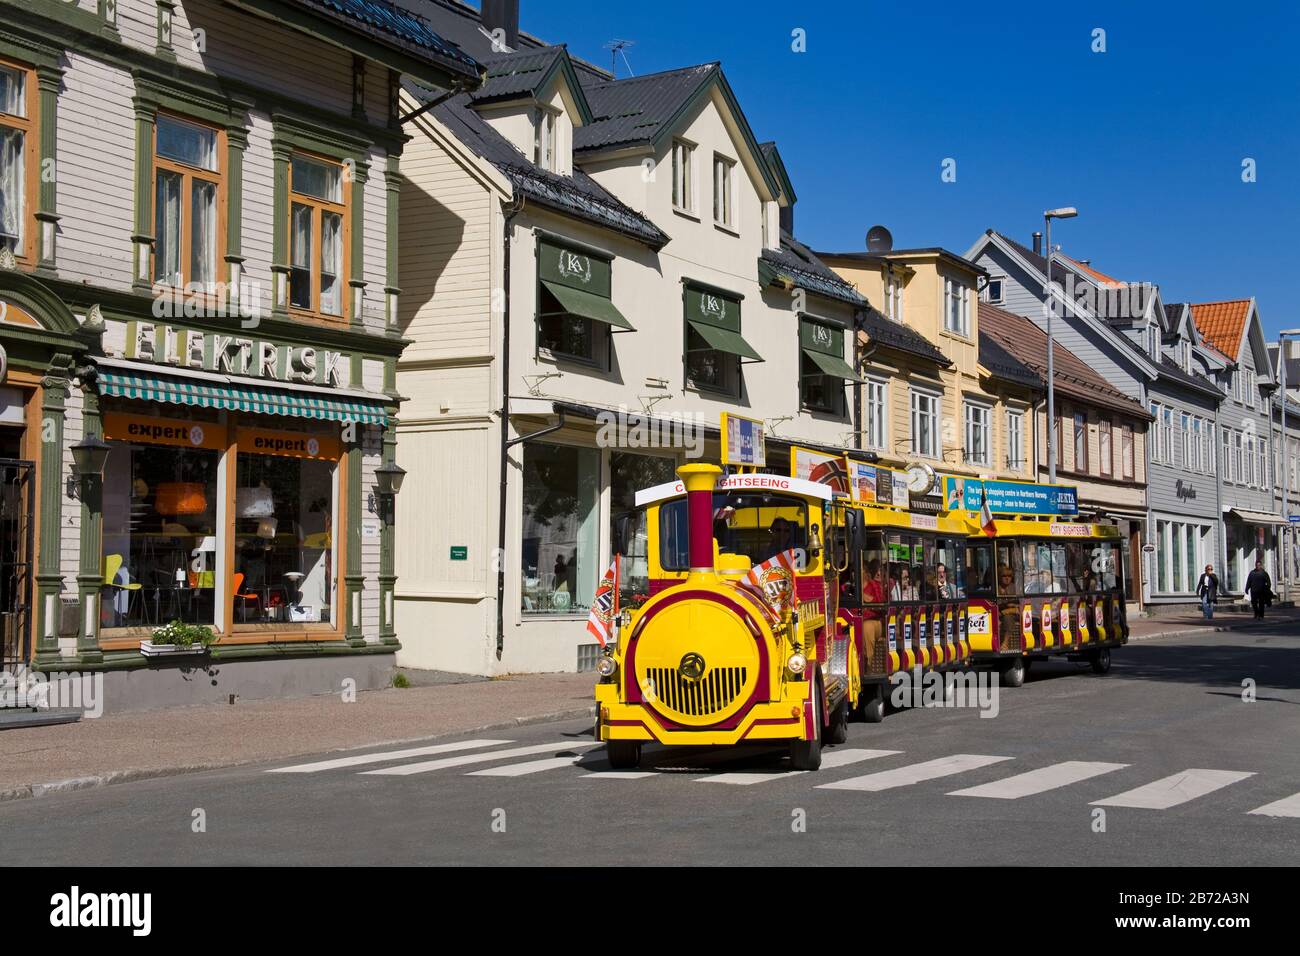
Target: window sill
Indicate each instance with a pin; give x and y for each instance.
(960, 337)
(565, 358)
(729, 230)
(686, 214)
(318, 318)
(706, 392)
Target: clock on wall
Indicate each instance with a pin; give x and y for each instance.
(920, 478)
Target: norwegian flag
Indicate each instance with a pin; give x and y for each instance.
(986, 516)
(601, 622)
(773, 580)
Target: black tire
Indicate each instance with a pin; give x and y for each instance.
(838, 731)
(1013, 672)
(807, 754)
(873, 710)
(1099, 660)
(623, 754)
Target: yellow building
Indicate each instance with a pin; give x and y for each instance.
(964, 405)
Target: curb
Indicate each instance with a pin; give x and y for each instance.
(1217, 629)
(129, 776)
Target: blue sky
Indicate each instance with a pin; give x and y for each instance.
(1147, 139)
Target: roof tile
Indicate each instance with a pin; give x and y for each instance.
(1222, 324)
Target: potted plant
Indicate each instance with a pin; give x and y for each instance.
(177, 637)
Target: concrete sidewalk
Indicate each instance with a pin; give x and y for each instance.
(116, 748)
(113, 749)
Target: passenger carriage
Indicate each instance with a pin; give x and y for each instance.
(1044, 588)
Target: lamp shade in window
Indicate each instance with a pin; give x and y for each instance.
(180, 498)
(254, 502)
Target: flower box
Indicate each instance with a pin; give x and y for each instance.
(150, 649)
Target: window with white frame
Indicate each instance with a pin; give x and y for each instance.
(956, 312)
(1225, 453)
(894, 296)
(1153, 340)
(544, 132)
(925, 424)
(876, 394)
(1128, 451)
(1015, 440)
(723, 170)
(1197, 458)
(1187, 356)
(977, 419)
(683, 184)
(1167, 433)
(995, 291)
(1156, 455)
(1261, 455)
(1185, 438)
(1106, 466)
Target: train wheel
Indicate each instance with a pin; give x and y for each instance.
(807, 754)
(1013, 674)
(873, 710)
(623, 754)
(1099, 660)
(838, 731)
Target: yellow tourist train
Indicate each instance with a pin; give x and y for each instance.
(734, 641)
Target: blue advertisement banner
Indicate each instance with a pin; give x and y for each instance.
(1010, 497)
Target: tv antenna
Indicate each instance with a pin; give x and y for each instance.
(617, 48)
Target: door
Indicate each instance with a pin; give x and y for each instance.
(1132, 582)
(17, 504)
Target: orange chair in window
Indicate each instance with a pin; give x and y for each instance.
(242, 598)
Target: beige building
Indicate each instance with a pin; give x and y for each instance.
(593, 270)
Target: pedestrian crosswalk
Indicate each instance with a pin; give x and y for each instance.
(499, 759)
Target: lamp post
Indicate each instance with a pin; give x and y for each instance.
(1287, 534)
(1064, 212)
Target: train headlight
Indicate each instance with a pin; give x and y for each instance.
(606, 666)
(796, 663)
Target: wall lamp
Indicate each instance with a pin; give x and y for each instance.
(88, 458)
(388, 482)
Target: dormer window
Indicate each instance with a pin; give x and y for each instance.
(683, 185)
(723, 173)
(544, 150)
(1187, 356)
(894, 297)
(1153, 341)
(994, 293)
(956, 313)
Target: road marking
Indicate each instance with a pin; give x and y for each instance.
(532, 766)
(916, 773)
(424, 766)
(831, 760)
(622, 774)
(361, 759)
(1175, 789)
(1286, 807)
(1040, 781)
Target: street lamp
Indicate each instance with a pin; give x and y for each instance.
(1287, 534)
(88, 458)
(1064, 212)
(388, 482)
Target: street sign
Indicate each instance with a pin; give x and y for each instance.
(1294, 519)
(459, 552)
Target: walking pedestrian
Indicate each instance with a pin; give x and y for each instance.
(1260, 588)
(1207, 589)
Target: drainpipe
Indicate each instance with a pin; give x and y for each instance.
(516, 208)
(1218, 494)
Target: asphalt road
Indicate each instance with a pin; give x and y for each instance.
(1161, 762)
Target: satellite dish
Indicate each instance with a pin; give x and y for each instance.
(879, 240)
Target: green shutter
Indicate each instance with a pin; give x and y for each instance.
(824, 345)
(579, 302)
(573, 269)
(725, 340)
(712, 307)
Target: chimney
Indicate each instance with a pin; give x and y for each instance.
(1038, 243)
(502, 15)
(700, 480)
(787, 218)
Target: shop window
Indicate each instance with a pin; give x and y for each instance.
(317, 232)
(187, 195)
(160, 540)
(628, 474)
(284, 570)
(560, 559)
(18, 143)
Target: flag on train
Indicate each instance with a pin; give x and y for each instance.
(986, 517)
(604, 606)
(773, 580)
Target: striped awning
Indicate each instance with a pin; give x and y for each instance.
(257, 400)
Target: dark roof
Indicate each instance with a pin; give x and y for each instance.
(398, 27)
(1002, 364)
(895, 335)
(797, 262)
(1071, 375)
(1174, 314)
(895, 254)
(1059, 269)
(633, 111)
(578, 195)
(525, 72)
(772, 156)
(1171, 370)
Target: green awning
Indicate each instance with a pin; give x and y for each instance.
(238, 398)
(725, 340)
(588, 305)
(832, 366)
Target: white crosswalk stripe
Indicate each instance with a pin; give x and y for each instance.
(830, 760)
(1175, 789)
(915, 773)
(359, 760)
(1040, 780)
(531, 766)
(1286, 807)
(425, 766)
